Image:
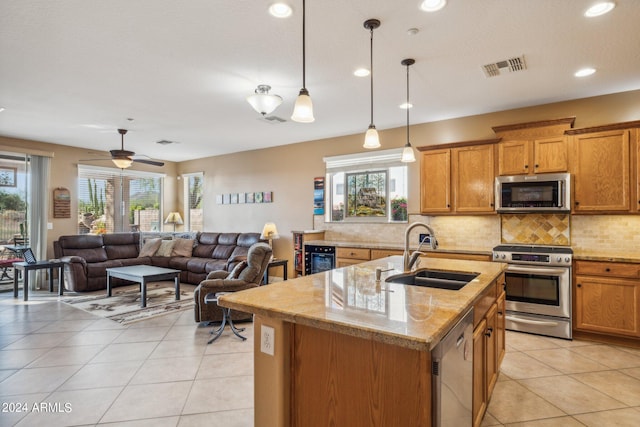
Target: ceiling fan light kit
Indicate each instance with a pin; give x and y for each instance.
(371, 138)
(303, 109)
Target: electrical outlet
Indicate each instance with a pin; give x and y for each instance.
(424, 236)
(267, 339)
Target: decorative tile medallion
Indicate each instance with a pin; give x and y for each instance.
(538, 229)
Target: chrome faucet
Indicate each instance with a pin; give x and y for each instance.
(410, 260)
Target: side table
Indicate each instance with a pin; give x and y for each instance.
(38, 265)
(276, 263)
(212, 298)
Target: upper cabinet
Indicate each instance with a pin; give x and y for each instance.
(605, 168)
(458, 178)
(534, 147)
(526, 157)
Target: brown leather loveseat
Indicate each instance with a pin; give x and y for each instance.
(87, 257)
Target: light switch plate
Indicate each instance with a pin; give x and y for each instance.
(267, 339)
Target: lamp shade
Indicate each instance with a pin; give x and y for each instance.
(269, 231)
(122, 163)
(371, 139)
(174, 218)
(408, 155)
(303, 109)
(262, 101)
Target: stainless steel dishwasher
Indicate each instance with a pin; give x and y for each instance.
(452, 376)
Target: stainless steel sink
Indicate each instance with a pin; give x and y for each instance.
(452, 280)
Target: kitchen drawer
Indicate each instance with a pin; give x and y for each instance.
(353, 253)
(383, 253)
(609, 269)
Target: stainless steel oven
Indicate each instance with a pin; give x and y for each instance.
(318, 258)
(538, 288)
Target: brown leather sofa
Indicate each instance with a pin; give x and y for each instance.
(87, 257)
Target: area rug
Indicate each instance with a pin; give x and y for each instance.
(124, 304)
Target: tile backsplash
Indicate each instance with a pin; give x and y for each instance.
(536, 229)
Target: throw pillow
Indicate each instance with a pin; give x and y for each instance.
(150, 247)
(182, 247)
(166, 246)
(237, 270)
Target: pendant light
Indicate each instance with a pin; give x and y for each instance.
(303, 109)
(371, 139)
(408, 155)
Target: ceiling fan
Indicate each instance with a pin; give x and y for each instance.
(124, 158)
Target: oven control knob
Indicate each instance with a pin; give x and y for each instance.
(559, 259)
(567, 260)
(496, 256)
(503, 256)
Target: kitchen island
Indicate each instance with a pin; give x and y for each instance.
(340, 348)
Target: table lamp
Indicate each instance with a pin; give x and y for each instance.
(174, 218)
(269, 231)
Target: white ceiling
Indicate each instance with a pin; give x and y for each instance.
(73, 71)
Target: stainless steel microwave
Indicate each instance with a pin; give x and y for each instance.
(533, 193)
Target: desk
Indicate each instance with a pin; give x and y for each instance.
(39, 265)
(276, 263)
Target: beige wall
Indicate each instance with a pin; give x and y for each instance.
(64, 173)
(289, 170)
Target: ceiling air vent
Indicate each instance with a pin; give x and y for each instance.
(165, 142)
(502, 67)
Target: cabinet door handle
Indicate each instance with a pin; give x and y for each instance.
(577, 203)
(489, 332)
(536, 166)
(607, 269)
(500, 313)
(579, 285)
(526, 166)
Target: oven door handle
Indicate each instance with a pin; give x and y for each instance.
(536, 270)
(531, 322)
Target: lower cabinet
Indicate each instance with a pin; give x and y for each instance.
(349, 256)
(488, 346)
(607, 298)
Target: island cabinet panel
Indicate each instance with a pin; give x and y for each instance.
(340, 380)
(473, 178)
(479, 380)
(349, 256)
(601, 168)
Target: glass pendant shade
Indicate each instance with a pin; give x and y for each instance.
(303, 109)
(262, 101)
(122, 163)
(408, 155)
(371, 139)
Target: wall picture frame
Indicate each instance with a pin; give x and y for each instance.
(258, 196)
(267, 196)
(250, 198)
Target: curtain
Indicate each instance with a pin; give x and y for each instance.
(38, 207)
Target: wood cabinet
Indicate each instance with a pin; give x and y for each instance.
(502, 325)
(349, 256)
(607, 298)
(473, 176)
(299, 239)
(383, 253)
(601, 168)
(527, 157)
(458, 178)
(435, 181)
(488, 346)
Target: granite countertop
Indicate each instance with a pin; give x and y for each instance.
(582, 255)
(348, 300)
(393, 246)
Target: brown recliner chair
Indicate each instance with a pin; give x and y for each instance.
(245, 275)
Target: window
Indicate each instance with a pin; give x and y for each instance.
(194, 220)
(13, 197)
(367, 187)
(114, 200)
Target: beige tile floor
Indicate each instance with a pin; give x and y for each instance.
(161, 372)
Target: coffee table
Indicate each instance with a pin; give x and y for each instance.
(144, 274)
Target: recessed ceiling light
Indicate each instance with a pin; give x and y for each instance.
(280, 10)
(432, 5)
(584, 72)
(1, 109)
(600, 9)
(361, 72)
(405, 105)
